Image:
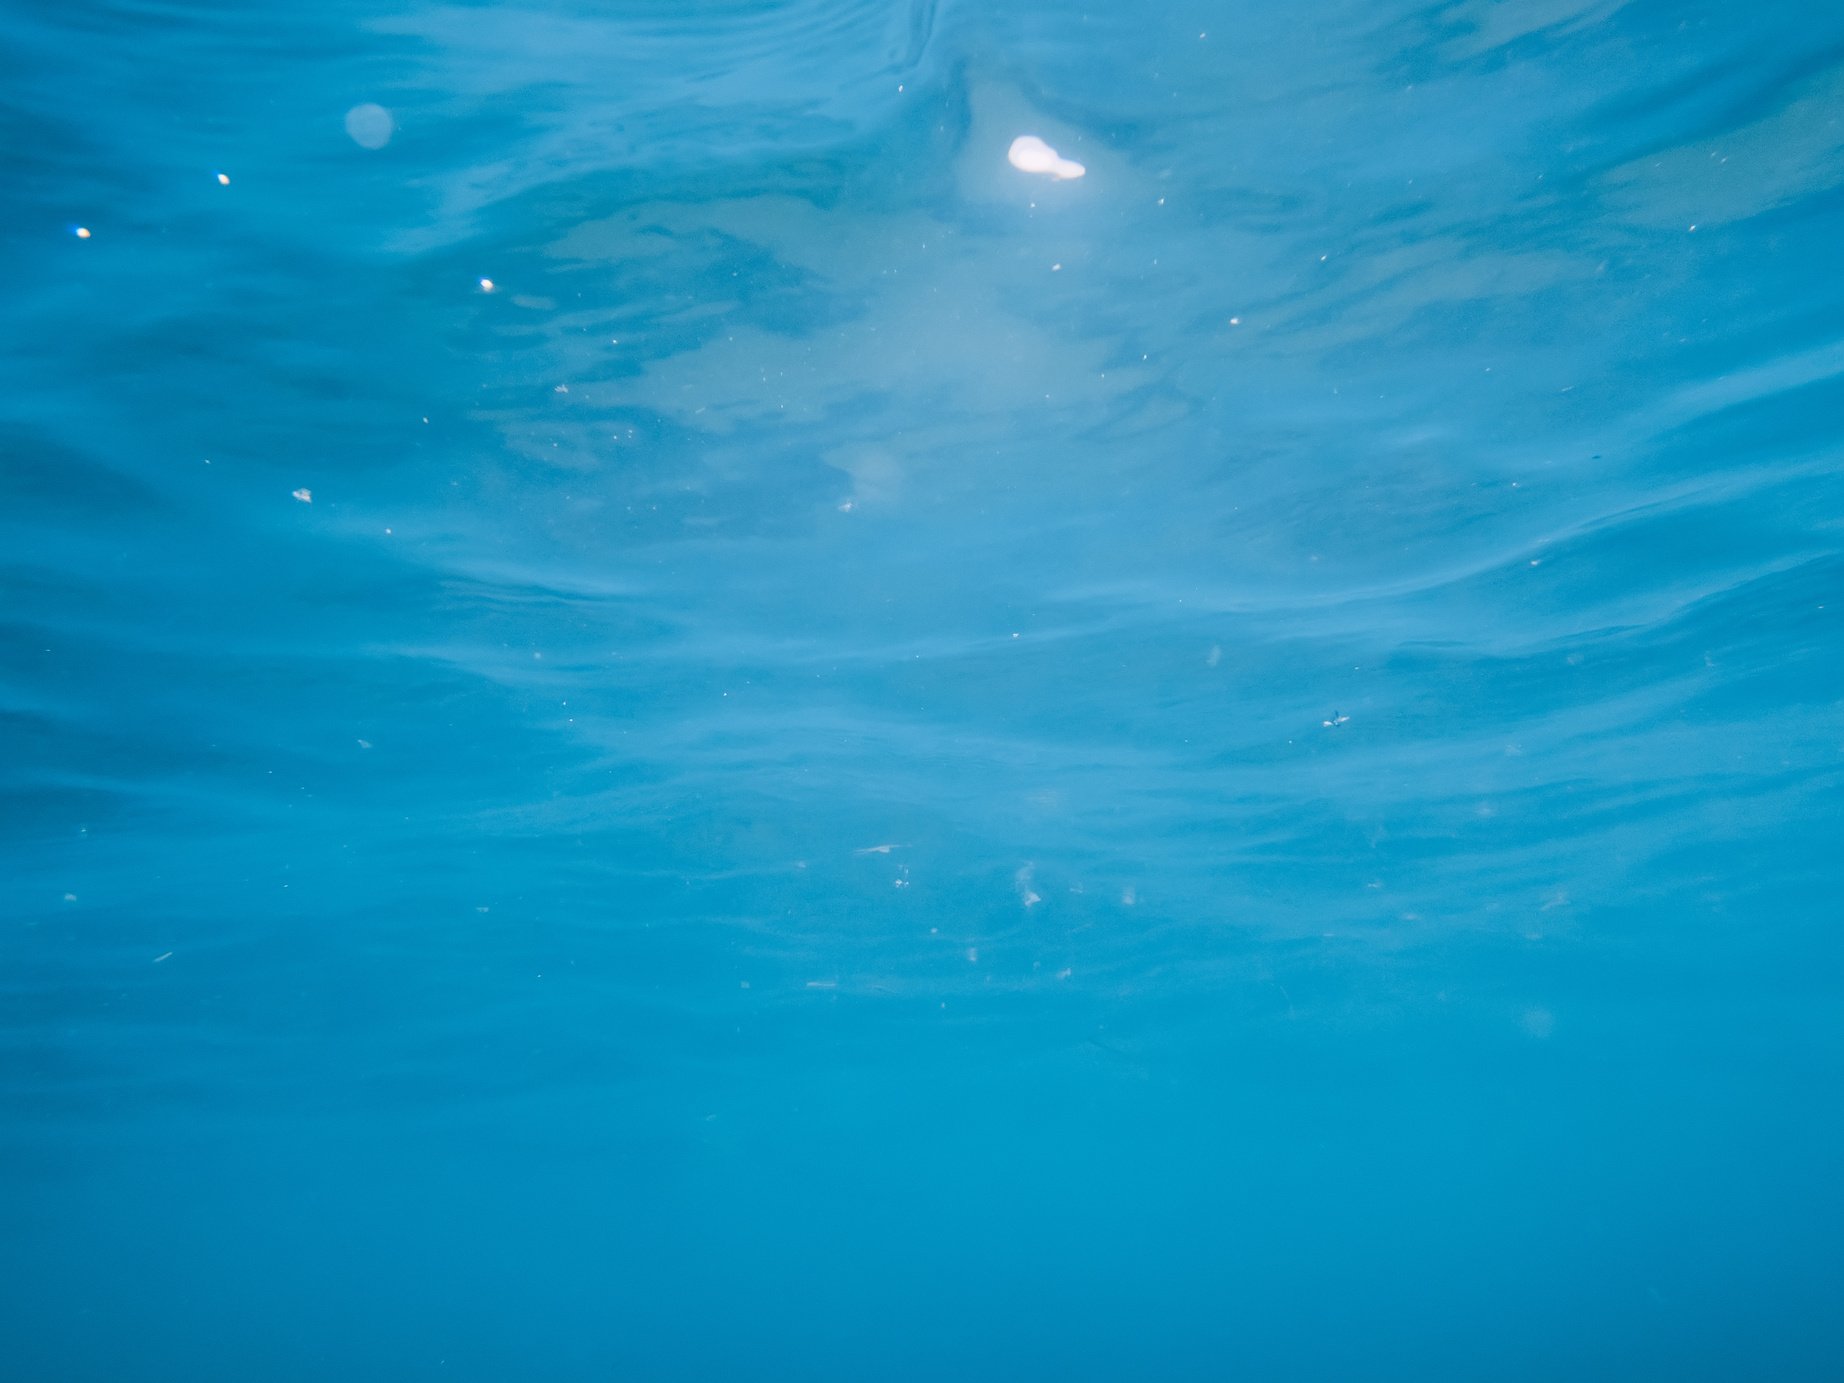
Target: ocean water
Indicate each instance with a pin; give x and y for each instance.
(659, 720)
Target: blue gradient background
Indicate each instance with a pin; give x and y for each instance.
(442, 935)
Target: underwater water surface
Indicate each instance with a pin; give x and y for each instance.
(668, 711)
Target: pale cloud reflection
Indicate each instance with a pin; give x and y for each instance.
(1793, 152)
(939, 319)
(1488, 25)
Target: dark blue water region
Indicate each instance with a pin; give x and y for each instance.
(840, 690)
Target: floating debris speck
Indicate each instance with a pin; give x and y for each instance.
(1022, 882)
(370, 125)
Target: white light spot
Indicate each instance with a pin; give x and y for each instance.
(82, 232)
(305, 495)
(370, 125)
(224, 180)
(486, 285)
(1029, 154)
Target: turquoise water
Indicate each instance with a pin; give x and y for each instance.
(660, 720)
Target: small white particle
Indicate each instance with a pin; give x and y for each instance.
(83, 232)
(224, 180)
(486, 285)
(305, 495)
